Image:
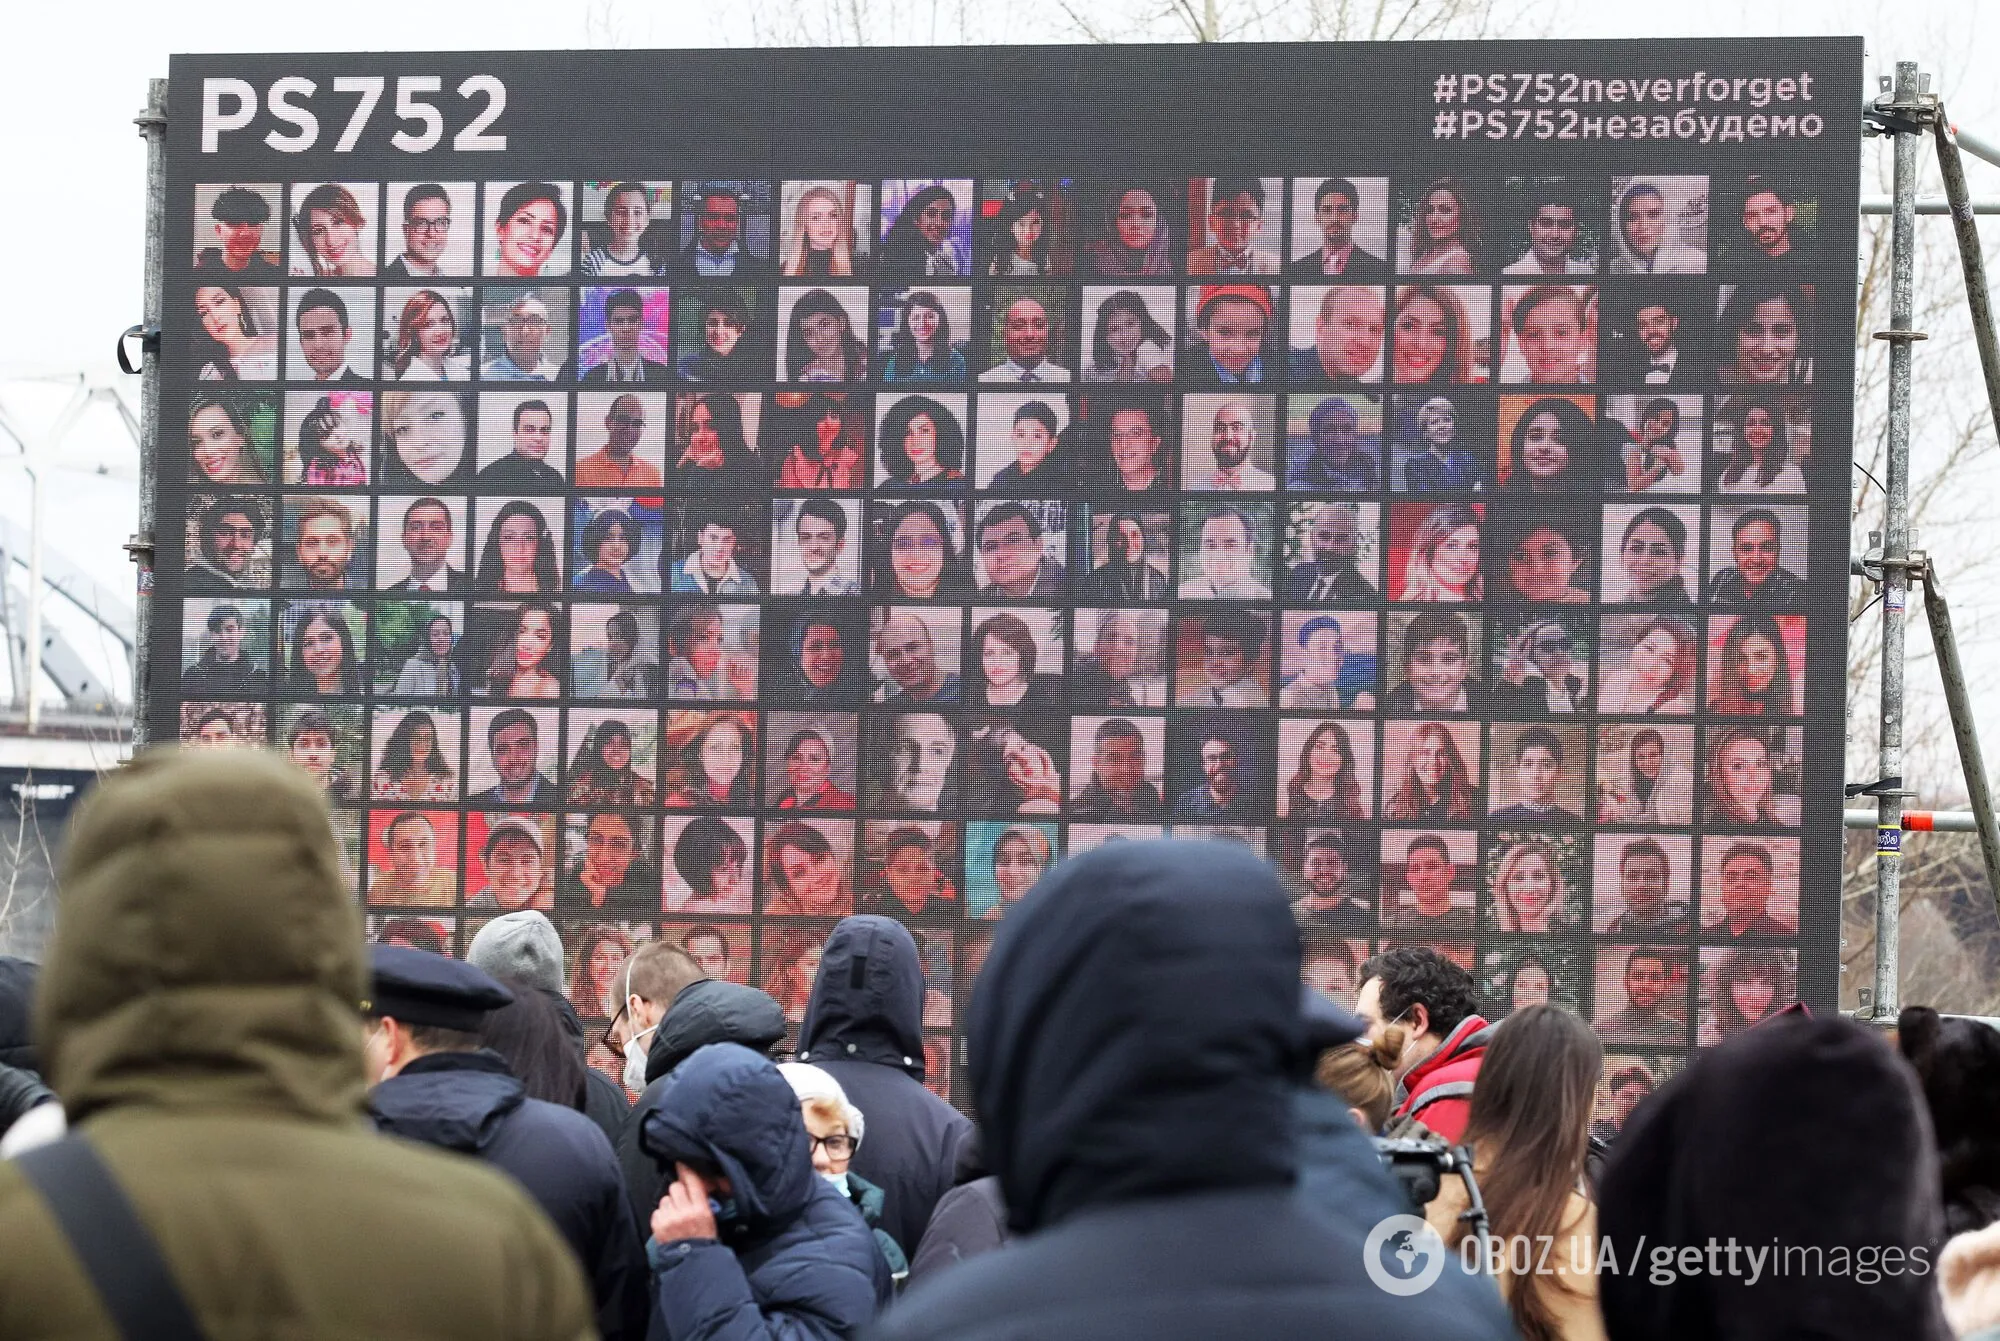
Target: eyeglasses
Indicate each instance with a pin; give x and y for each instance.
(610, 1036)
(1550, 646)
(429, 225)
(908, 544)
(627, 420)
(838, 1146)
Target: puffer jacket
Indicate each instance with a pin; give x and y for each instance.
(864, 1027)
(713, 1010)
(1137, 1049)
(471, 1103)
(1438, 1090)
(199, 1017)
(795, 1262)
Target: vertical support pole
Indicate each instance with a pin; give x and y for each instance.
(1958, 699)
(1895, 557)
(1977, 297)
(152, 125)
(32, 699)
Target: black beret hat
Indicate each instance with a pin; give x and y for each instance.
(418, 987)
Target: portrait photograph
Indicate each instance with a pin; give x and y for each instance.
(1435, 664)
(1447, 226)
(1026, 442)
(226, 647)
(1131, 229)
(515, 650)
(1520, 975)
(614, 650)
(818, 441)
(1433, 552)
(808, 872)
(1333, 553)
(716, 548)
(1003, 860)
(1016, 659)
(423, 439)
(1117, 767)
(1647, 666)
(235, 336)
(1229, 442)
(816, 546)
(925, 224)
(1643, 884)
(1764, 334)
(1326, 769)
(413, 859)
(428, 335)
(1026, 332)
(1549, 445)
(1553, 226)
(811, 760)
(437, 935)
(1129, 334)
(530, 230)
(1537, 883)
(1123, 555)
(1761, 443)
(415, 754)
(1340, 228)
(1338, 334)
(1757, 665)
(238, 232)
(823, 334)
(1640, 999)
(1028, 227)
(627, 229)
(521, 547)
(923, 333)
(914, 654)
(228, 543)
(623, 335)
(1749, 888)
(428, 233)
(1441, 443)
(1659, 226)
(725, 230)
(595, 953)
(621, 439)
(426, 549)
(909, 869)
(1430, 882)
(1766, 223)
(1756, 554)
(609, 865)
(921, 441)
(1235, 334)
(232, 437)
(712, 649)
(1548, 334)
(1331, 964)
(1235, 225)
(1753, 776)
(818, 653)
(1220, 767)
(1431, 771)
(1652, 443)
(917, 550)
(1021, 548)
(513, 757)
(335, 229)
(707, 863)
(618, 546)
(723, 333)
(1014, 763)
(1650, 553)
(330, 742)
(720, 949)
(1536, 773)
(1121, 658)
(1740, 987)
(324, 542)
(321, 644)
(330, 334)
(1222, 659)
(1226, 550)
(826, 229)
(1645, 774)
(1440, 335)
(213, 725)
(1328, 660)
(1128, 439)
(511, 862)
(523, 439)
(1333, 444)
(1333, 878)
(1657, 333)
(415, 654)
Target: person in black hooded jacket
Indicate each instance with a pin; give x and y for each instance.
(21, 1086)
(750, 1244)
(434, 1084)
(1137, 1044)
(1806, 1134)
(711, 1010)
(864, 1027)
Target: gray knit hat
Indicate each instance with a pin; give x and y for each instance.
(522, 946)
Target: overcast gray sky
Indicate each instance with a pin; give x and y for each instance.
(70, 235)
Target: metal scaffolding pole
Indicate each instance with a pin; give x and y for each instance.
(152, 125)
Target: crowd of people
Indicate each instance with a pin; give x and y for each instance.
(222, 1113)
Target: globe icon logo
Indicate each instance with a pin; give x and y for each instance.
(1403, 1255)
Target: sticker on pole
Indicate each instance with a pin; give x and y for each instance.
(1889, 839)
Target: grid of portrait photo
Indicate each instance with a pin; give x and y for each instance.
(706, 560)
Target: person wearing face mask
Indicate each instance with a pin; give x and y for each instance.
(432, 1082)
(748, 1241)
(835, 1127)
(1444, 1036)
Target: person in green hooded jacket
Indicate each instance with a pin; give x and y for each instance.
(199, 1015)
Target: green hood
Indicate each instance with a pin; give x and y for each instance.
(206, 954)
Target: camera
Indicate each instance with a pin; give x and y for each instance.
(1419, 1167)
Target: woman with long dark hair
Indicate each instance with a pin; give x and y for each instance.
(1020, 239)
(715, 764)
(715, 451)
(918, 560)
(323, 659)
(820, 344)
(1324, 787)
(531, 1034)
(519, 556)
(1753, 676)
(413, 765)
(1530, 1131)
(528, 662)
(1552, 450)
(1760, 452)
(922, 445)
(920, 241)
(233, 347)
(921, 350)
(1136, 238)
(1127, 344)
(219, 444)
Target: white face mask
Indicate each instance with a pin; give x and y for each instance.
(839, 1181)
(635, 1048)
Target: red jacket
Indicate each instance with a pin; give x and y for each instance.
(1438, 1091)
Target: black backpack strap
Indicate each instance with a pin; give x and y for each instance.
(118, 1254)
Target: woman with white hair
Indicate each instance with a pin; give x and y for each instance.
(835, 1126)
